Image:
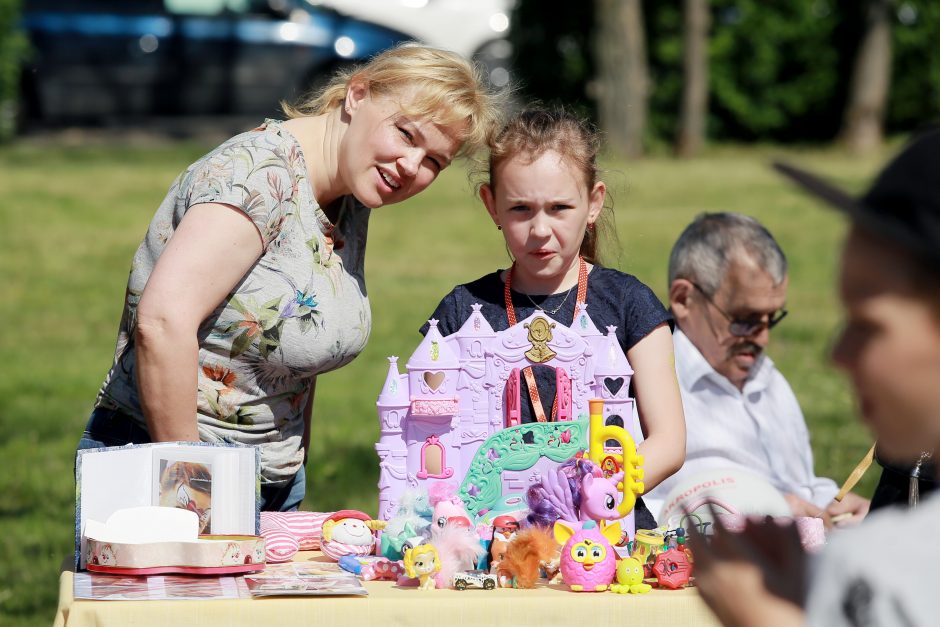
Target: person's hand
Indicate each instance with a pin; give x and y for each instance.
(849, 511)
(800, 508)
(755, 577)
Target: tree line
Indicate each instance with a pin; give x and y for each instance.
(734, 70)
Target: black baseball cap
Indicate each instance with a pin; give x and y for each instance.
(903, 204)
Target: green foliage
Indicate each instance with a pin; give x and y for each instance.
(13, 48)
(73, 216)
(915, 82)
(552, 56)
(773, 70)
(778, 71)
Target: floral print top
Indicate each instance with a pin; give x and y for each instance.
(301, 310)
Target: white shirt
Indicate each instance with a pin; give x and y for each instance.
(759, 429)
(883, 572)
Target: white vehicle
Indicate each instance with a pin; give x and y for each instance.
(476, 29)
(474, 579)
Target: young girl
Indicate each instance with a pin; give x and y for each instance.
(545, 196)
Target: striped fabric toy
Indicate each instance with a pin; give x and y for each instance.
(279, 546)
(335, 550)
(285, 533)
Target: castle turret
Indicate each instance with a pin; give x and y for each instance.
(611, 360)
(392, 406)
(395, 390)
(473, 335)
(612, 374)
(433, 368)
(583, 325)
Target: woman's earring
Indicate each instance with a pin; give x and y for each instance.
(499, 227)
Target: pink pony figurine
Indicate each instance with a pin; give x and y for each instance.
(577, 491)
(448, 508)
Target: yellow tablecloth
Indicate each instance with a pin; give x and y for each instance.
(389, 605)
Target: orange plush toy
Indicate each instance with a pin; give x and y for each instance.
(531, 551)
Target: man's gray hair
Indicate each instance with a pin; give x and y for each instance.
(708, 246)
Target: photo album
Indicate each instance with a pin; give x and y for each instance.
(220, 483)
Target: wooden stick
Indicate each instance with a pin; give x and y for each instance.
(856, 474)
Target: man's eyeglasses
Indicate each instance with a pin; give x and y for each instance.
(744, 327)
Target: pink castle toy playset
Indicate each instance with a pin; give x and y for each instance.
(454, 414)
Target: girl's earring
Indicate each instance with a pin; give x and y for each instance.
(499, 227)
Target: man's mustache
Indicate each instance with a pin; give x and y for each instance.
(746, 347)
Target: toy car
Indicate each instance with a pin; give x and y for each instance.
(474, 579)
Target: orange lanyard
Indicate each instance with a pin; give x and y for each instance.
(511, 316)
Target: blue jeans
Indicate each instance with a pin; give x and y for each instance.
(108, 427)
(285, 498)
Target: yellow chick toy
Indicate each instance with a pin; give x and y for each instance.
(630, 578)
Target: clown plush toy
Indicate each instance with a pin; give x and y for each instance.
(349, 532)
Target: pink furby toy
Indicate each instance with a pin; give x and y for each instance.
(577, 490)
(588, 560)
(448, 508)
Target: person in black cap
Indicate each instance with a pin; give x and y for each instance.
(883, 572)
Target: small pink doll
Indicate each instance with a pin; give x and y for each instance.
(422, 562)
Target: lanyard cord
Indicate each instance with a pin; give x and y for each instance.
(511, 317)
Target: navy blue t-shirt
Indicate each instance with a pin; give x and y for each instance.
(613, 298)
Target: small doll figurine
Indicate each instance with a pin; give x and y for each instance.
(422, 562)
(504, 530)
(630, 578)
(505, 526)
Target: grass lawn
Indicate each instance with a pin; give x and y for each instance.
(71, 218)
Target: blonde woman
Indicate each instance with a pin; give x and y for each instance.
(249, 282)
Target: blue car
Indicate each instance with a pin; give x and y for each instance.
(95, 60)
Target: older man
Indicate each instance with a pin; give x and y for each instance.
(727, 290)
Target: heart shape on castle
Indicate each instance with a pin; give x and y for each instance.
(613, 385)
(434, 379)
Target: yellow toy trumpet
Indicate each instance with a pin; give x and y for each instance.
(610, 462)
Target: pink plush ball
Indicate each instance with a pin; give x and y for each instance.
(279, 546)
